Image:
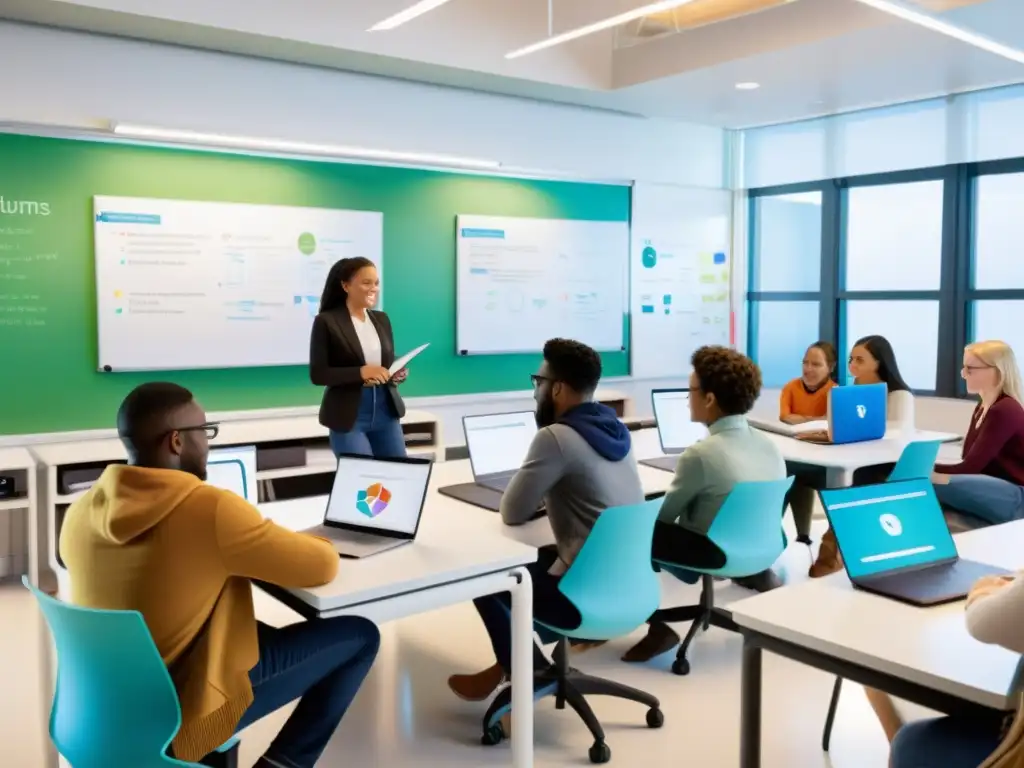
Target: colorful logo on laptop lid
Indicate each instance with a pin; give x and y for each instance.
(373, 500)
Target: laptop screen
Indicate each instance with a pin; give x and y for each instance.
(384, 495)
(498, 442)
(672, 414)
(884, 527)
(234, 469)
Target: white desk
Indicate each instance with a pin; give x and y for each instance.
(923, 655)
(840, 461)
(458, 555)
(19, 463)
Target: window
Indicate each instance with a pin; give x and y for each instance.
(787, 242)
(999, 320)
(781, 333)
(912, 327)
(998, 212)
(894, 237)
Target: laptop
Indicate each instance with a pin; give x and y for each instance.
(375, 504)
(895, 542)
(234, 469)
(856, 414)
(676, 431)
(497, 445)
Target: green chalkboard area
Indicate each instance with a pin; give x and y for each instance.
(48, 348)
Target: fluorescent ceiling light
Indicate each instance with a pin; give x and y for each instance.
(410, 13)
(298, 147)
(747, 86)
(922, 19)
(597, 26)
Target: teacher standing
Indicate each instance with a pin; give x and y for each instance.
(350, 349)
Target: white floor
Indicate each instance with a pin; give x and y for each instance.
(405, 715)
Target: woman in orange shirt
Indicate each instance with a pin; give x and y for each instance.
(802, 400)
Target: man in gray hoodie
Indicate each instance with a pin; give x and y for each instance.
(580, 463)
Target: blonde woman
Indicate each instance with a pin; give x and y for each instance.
(988, 482)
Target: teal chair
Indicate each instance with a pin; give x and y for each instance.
(915, 463)
(114, 704)
(748, 532)
(615, 589)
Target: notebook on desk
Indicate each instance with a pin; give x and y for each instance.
(375, 504)
(895, 542)
(676, 430)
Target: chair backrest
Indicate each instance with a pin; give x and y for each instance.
(748, 526)
(612, 582)
(115, 703)
(916, 461)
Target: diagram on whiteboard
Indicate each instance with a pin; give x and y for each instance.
(523, 281)
(185, 284)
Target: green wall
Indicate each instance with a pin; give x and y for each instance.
(48, 354)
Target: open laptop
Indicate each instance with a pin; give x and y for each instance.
(497, 444)
(234, 469)
(895, 542)
(676, 431)
(856, 414)
(375, 504)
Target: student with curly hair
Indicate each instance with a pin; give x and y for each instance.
(723, 388)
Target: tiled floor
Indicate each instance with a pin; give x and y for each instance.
(405, 715)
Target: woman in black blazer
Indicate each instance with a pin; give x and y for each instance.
(350, 349)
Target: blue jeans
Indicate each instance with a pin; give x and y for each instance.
(988, 498)
(324, 662)
(377, 431)
(945, 742)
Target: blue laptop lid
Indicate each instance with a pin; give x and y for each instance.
(857, 413)
(887, 527)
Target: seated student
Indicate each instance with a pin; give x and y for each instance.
(723, 388)
(580, 463)
(995, 615)
(153, 537)
(987, 482)
(872, 361)
(803, 400)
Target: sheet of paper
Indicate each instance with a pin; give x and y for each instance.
(404, 360)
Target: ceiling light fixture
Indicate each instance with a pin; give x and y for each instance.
(597, 26)
(410, 13)
(297, 147)
(935, 24)
(748, 86)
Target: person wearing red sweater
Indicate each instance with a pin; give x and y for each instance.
(988, 482)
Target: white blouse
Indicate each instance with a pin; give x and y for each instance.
(900, 411)
(369, 339)
(998, 619)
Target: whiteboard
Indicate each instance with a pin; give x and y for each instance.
(680, 272)
(186, 285)
(524, 281)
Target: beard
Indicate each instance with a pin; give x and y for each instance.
(194, 466)
(545, 413)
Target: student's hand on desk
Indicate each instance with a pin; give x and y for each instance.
(374, 374)
(400, 375)
(818, 436)
(793, 419)
(987, 585)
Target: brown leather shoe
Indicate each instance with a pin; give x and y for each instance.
(661, 638)
(829, 560)
(479, 686)
(582, 646)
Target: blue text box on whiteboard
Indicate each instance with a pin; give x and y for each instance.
(523, 281)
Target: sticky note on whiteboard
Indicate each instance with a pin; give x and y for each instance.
(719, 258)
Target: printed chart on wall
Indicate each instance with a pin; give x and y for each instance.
(523, 281)
(680, 275)
(186, 285)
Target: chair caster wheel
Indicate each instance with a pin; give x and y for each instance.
(681, 667)
(492, 736)
(600, 753)
(655, 718)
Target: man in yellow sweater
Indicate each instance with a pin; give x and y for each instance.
(153, 537)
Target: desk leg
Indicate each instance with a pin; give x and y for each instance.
(750, 706)
(522, 671)
(838, 478)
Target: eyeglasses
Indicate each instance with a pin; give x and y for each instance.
(537, 380)
(211, 428)
(975, 368)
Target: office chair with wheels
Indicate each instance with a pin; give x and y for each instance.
(748, 531)
(114, 704)
(615, 589)
(915, 462)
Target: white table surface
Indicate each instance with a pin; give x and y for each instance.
(928, 646)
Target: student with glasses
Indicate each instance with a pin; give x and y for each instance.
(152, 536)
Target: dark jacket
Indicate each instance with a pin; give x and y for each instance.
(335, 357)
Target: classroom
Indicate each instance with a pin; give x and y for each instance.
(652, 341)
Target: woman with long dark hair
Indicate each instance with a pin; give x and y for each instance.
(350, 349)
